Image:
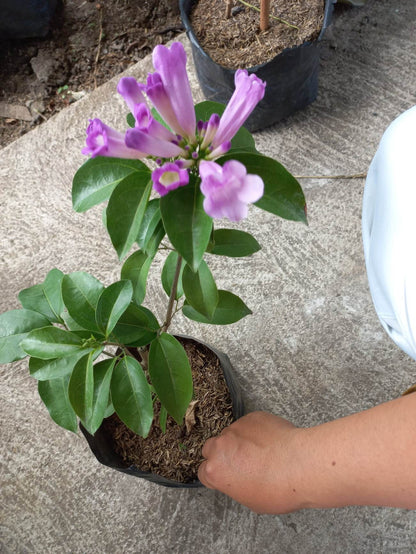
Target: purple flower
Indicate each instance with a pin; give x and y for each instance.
(249, 90)
(129, 89)
(170, 65)
(228, 189)
(152, 145)
(147, 123)
(102, 140)
(169, 177)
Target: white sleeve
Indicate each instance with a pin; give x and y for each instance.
(389, 231)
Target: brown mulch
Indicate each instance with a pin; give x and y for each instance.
(238, 42)
(176, 454)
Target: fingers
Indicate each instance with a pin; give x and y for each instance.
(203, 477)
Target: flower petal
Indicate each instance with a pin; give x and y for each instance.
(169, 177)
(153, 146)
(102, 140)
(129, 89)
(170, 63)
(249, 90)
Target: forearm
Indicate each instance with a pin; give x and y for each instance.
(367, 458)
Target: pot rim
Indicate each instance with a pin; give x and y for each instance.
(329, 6)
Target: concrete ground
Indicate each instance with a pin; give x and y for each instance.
(313, 350)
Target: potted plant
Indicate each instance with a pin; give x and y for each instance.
(99, 355)
(291, 75)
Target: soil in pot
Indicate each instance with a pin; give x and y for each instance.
(177, 453)
(237, 42)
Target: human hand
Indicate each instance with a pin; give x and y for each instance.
(253, 461)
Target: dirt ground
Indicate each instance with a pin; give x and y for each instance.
(89, 42)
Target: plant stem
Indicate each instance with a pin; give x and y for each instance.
(264, 14)
(228, 6)
(169, 312)
(272, 16)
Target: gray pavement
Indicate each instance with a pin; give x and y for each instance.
(313, 350)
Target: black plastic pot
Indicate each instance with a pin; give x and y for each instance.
(25, 18)
(101, 446)
(291, 77)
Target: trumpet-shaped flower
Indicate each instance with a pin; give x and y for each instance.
(169, 177)
(249, 90)
(186, 146)
(228, 189)
(154, 146)
(102, 140)
(170, 64)
(129, 89)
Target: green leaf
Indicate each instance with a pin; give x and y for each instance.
(230, 308)
(130, 393)
(283, 195)
(96, 179)
(50, 342)
(234, 243)
(14, 327)
(136, 327)
(81, 292)
(125, 210)
(151, 231)
(200, 289)
(131, 122)
(135, 269)
(168, 274)
(243, 139)
(81, 388)
(43, 370)
(103, 372)
(171, 375)
(163, 416)
(54, 394)
(113, 302)
(45, 298)
(187, 225)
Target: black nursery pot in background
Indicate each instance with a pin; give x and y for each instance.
(292, 76)
(101, 444)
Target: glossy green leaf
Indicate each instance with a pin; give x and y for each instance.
(43, 370)
(163, 416)
(151, 231)
(81, 292)
(200, 289)
(243, 139)
(283, 195)
(113, 302)
(130, 393)
(50, 342)
(14, 327)
(54, 394)
(171, 375)
(230, 308)
(186, 223)
(126, 209)
(233, 243)
(45, 298)
(103, 372)
(168, 275)
(96, 179)
(81, 388)
(136, 327)
(136, 269)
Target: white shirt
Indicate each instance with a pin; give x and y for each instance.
(389, 231)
